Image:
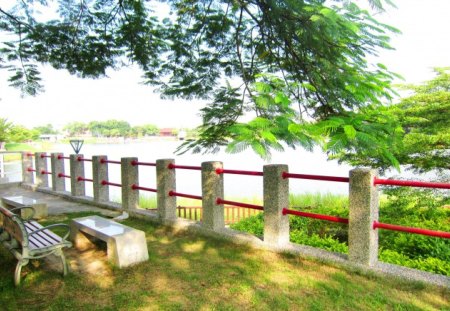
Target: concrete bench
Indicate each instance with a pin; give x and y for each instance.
(27, 239)
(40, 209)
(125, 245)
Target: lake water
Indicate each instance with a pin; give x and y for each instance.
(188, 181)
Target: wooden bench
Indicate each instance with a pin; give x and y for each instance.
(40, 209)
(27, 239)
(125, 245)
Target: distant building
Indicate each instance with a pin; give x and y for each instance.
(166, 132)
(50, 137)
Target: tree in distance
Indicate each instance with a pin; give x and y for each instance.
(276, 73)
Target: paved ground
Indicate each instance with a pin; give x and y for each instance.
(56, 205)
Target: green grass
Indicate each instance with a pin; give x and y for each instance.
(190, 272)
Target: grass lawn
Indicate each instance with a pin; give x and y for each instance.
(191, 272)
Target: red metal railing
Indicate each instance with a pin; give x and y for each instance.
(60, 175)
(29, 154)
(134, 163)
(30, 169)
(439, 234)
(61, 157)
(105, 182)
(103, 161)
(408, 183)
(315, 177)
(46, 172)
(315, 216)
(240, 204)
(171, 166)
(183, 195)
(79, 178)
(43, 155)
(137, 187)
(238, 172)
(83, 159)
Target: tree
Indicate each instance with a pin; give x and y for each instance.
(292, 64)
(76, 128)
(19, 133)
(5, 128)
(46, 129)
(424, 118)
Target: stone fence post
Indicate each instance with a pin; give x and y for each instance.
(27, 177)
(212, 188)
(41, 166)
(99, 173)
(363, 205)
(78, 188)
(130, 176)
(276, 197)
(165, 181)
(57, 164)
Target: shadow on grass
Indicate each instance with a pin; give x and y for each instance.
(191, 272)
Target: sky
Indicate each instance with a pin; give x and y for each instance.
(423, 44)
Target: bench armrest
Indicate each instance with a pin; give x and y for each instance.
(33, 211)
(53, 226)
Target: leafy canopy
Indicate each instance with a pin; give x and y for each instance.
(296, 69)
(424, 118)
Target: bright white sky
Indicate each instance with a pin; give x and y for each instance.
(424, 44)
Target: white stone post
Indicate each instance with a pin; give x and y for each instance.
(276, 197)
(99, 173)
(57, 163)
(363, 205)
(27, 162)
(165, 180)
(78, 188)
(212, 188)
(130, 176)
(41, 167)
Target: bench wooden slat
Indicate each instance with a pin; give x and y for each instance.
(52, 237)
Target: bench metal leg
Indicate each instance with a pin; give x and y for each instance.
(64, 263)
(19, 266)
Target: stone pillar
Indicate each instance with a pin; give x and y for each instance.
(165, 181)
(57, 163)
(78, 188)
(99, 173)
(363, 201)
(130, 176)
(27, 177)
(276, 197)
(41, 165)
(212, 188)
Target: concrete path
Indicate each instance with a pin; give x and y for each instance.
(56, 205)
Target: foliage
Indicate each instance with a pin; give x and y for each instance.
(110, 128)
(19, 133)
(76, 128)
(5, 128)
(145, 130)
(286, 65)
(46, 129)
(424, 118)
(403, 206)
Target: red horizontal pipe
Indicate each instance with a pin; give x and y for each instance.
(315, 177)
(185, 167)
(79, 178)
(29, 154)
(134, 163)
(109, 161)
(438, 234)
(43, 155)
(45, 172)
(315, 216)
(189, 196)
(84, 159)
(62, 175)
(408, 183)
(238, 172)
(60, 157)
(136, 187)
(104, 183)
(30, 169)
(246, 205)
